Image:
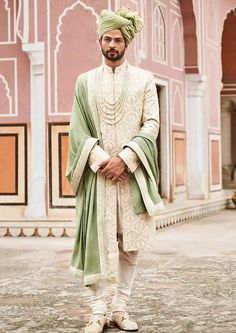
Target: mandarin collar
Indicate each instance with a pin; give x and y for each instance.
(118, 69)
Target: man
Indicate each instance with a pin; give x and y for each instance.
(112, 167)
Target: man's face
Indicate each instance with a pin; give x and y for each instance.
(113, 45)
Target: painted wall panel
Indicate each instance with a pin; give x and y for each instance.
(179, 157)
(215, 159)
(13, 165)
(8, 163)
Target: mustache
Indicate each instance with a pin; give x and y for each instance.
(112, 50)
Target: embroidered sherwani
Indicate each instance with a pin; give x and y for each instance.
(140, 110)
(127, 126)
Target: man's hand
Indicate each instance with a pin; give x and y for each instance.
(113, 169)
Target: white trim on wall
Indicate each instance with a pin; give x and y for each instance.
(49, 57)
(175, 22)
(19, 33)
(11, 22)
(216, 187)
(175, 3)
(8, 95)
(157, 3)
(26, 21)
(143, 52)
(173, 123)
(181, 98)
(165, 136)
(13, 111)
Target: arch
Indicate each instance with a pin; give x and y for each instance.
(190, 37)
(64, 79)
(159, 34)
(177, 106)
(177, 43)
(226, 12)
(229, 49)
(228, 97)
(65, 12)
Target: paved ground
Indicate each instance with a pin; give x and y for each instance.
(186, 284)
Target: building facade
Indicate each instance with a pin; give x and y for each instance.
(189, 46)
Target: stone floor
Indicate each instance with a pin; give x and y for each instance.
(186, 284)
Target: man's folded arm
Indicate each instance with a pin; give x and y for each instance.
(130, 158)
(96, 157)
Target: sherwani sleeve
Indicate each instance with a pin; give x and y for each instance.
(150, 123)
(96, 157)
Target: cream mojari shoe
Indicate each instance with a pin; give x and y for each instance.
(96, 324)
(123, 321)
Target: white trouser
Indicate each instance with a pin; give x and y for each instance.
(127, 263)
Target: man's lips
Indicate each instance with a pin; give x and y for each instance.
(112, 51)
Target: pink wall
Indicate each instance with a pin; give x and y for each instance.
(14, 70)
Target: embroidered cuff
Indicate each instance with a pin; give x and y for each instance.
(97, 156)
(130, 158)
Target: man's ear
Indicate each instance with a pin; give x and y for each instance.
(100, 41)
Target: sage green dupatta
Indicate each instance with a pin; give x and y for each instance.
(145, 179)
(86, 258)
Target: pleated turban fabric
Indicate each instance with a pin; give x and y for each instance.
(126, 20)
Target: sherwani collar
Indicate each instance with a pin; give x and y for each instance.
(118, 69)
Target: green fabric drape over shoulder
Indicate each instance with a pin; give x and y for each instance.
(82, 138)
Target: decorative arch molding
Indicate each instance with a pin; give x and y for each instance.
(5, 6)
(178, 114)
(228, 53)
(22, 21)
(8, 96)
(177, 43)
(159, 34)
(190, 37)
(59, 43)
(229, 50)
(8, 20)
(65, 12)
(224, 16)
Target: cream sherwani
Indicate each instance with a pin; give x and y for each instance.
(140, 111)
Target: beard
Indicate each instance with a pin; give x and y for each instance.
(113, 55)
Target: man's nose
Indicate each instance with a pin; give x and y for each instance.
(112, 43)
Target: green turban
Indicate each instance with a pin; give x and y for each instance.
(124, 19)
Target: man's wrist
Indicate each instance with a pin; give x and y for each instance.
(123, 162)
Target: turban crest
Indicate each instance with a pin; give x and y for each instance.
(127, 21)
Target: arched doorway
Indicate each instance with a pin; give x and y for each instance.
(190, 37)
(228, 102)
